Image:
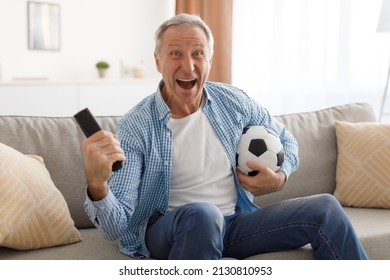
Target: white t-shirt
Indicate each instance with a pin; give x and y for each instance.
(201, 169)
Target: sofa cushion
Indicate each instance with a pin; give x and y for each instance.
(373, 229)
(33, 213)
(93, 247)
(315, 133)
(363, 164)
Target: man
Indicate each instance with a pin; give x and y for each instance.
(179, 195)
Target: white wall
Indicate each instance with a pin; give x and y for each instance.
(91, 30)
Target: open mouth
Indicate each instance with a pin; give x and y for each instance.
(186, 83)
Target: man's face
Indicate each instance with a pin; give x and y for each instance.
(184, 60)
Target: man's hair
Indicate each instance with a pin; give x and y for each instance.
(184, 20)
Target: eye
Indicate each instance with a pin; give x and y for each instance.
(174, 53)
(198, 53)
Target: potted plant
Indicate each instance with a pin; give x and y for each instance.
(102, 67)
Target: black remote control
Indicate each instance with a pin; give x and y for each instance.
(89, 126)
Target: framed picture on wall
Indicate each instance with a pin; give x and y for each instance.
(43, 26)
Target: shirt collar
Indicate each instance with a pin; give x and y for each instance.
(162, 108)
(206, 93)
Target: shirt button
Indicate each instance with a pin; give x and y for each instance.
(166, 162)
(168, 134)
(102, 207)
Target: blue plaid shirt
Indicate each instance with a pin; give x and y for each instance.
(141, 188)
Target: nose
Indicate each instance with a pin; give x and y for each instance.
(188, 63)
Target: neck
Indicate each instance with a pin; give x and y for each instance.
(179, 110)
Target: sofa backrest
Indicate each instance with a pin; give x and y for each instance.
(58, 140)
(315, 133)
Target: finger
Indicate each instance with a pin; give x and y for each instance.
(246, 186)
(112, 158)
(96, 155)
(103, 140)
(255, 191)
(244, 179)
(254, 165)
(110, 147)
(241, 176)
(99, 135)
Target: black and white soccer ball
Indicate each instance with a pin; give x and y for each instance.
(258, 144)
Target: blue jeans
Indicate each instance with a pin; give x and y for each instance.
(199, 231)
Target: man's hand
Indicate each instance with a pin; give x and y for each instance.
(100, 151)
(266, 181)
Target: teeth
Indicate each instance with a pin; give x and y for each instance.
(186, 80)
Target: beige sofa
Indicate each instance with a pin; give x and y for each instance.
(58, 140)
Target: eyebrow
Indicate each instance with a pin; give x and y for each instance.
(179, 45)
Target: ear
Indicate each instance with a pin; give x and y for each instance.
(157, 61)
(211, 61)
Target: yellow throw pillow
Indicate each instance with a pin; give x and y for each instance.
(363, 164)
(33, 212)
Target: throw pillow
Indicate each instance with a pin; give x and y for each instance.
(363, 164)
(33, 212)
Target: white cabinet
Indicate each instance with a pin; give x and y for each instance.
(115, 99)
(38, 100)
(103, 98)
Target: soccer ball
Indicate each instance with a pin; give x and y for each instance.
(258, 144)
